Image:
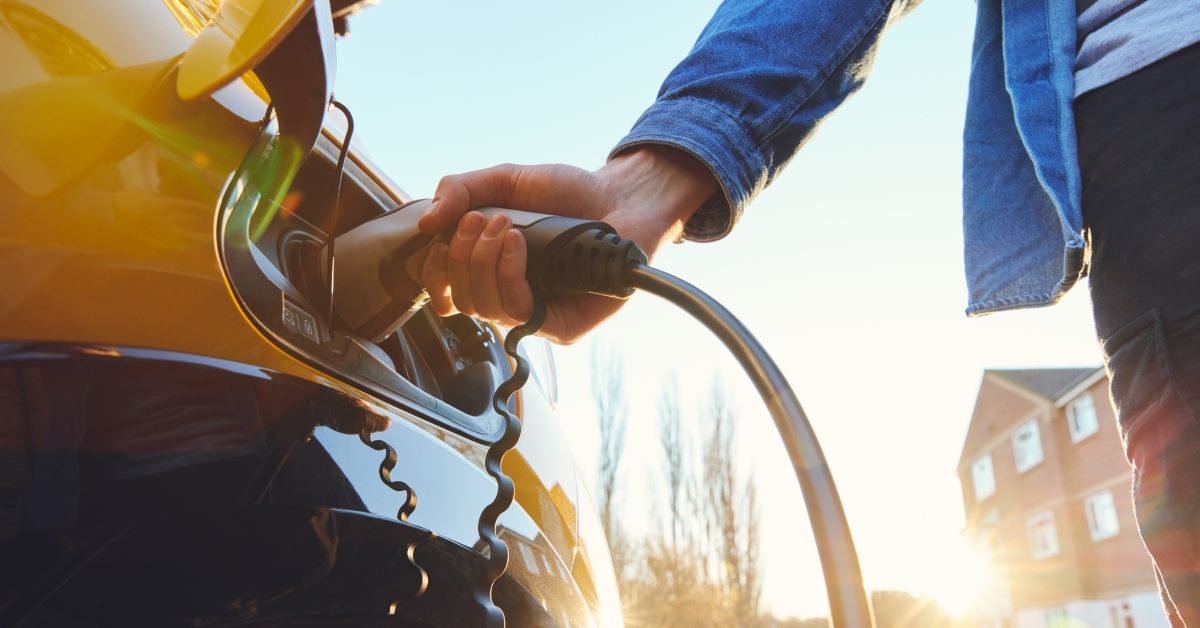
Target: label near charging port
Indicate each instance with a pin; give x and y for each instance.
(301, 322)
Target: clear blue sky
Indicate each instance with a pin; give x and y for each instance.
(849, 269)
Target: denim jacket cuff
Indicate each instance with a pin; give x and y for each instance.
(714, 138)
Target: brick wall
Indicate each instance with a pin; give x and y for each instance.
(1097, 463)
(1069, 473)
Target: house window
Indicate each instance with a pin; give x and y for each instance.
(1081, 417)
(1043, 538)
(1027, 446)
(982, 478)
(1101, 516)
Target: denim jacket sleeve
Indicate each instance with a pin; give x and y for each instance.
(761, 77)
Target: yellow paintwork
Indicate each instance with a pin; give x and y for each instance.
(193, 15)
(110, 237)
(109, 187)
(125, 255)
(48, 142)
(238, 36)
(540, 503)
(544, 473)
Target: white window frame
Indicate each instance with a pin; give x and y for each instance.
(986, 488)
(1080, 432)
(1043, 535)
(1103, 522)
(1027, 462)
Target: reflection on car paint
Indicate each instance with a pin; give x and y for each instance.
(546, 465)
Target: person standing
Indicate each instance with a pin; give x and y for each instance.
(1081, 158)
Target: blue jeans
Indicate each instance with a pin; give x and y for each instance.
(1139, 151)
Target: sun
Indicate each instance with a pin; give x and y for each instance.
(960, 574)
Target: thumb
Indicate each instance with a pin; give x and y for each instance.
(458, 194)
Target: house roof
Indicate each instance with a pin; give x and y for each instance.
(995, 411)
(1048, 383)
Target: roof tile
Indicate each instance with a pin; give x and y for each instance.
(1049, 383)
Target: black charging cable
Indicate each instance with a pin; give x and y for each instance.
(390, 457)
(849, 606)
(497, 548)
(593, 259)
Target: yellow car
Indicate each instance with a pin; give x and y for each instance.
(187, 435)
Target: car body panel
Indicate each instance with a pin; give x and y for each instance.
(111, 189)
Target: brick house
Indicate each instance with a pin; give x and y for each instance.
(1046, 489)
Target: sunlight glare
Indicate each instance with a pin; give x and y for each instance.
(961, 573)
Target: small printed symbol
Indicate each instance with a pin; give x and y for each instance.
(288, 318)
(308, 327)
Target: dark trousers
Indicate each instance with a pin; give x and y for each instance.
(1139, 151)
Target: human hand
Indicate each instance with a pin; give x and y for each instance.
(646, 194)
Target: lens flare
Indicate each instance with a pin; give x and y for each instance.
(962, 578)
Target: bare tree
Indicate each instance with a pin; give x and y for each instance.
(676, 470)
(675, 590)
(730, 513)
(702, 568)
(608, 391)
(749, 583)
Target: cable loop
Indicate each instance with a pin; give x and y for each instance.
(497, 548)
(385, 469)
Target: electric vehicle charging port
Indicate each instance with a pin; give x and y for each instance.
(444, 370)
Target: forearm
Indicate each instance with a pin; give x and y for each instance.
(760, 79)
(664, 186)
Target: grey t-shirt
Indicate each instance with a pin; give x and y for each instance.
(1119, 37)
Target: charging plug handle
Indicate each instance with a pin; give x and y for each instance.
(378, 270)
(572, 256)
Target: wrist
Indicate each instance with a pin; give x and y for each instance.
(662, 184)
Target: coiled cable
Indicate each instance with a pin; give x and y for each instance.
(497, 548)
(386, 467)
(591, 258)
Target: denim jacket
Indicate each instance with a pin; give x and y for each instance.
(765, 73)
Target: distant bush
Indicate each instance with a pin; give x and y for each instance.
(897, 609)
(792, 622)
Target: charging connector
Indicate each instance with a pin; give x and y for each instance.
(597, 261)
(379, 286)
